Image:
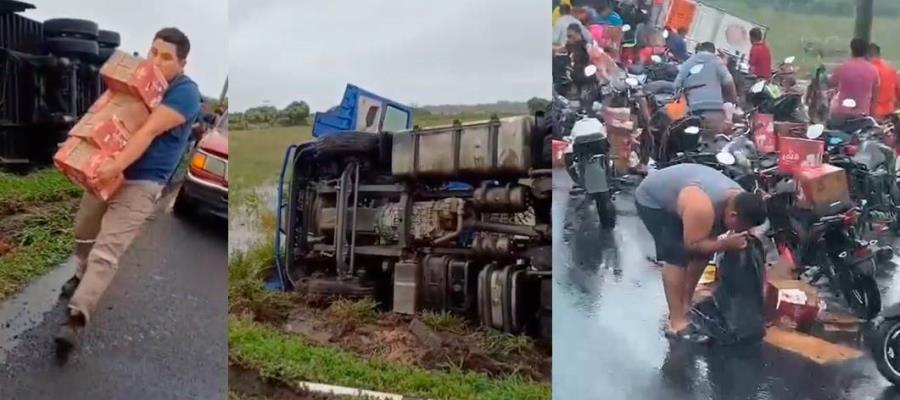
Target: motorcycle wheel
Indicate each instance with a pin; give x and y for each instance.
(885, 350)
(606, 210)
(861, 293)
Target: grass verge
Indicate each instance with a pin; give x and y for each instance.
(289, 359)
(44, 241)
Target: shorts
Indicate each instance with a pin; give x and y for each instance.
(668, 234)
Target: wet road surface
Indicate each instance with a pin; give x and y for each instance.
(160, 332)
(609, 311)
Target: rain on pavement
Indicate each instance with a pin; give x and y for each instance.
(609, 312)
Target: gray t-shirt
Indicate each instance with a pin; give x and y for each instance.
(714, 75)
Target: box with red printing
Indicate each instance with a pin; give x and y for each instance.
(108, 134)
(795, 154)
(823, 189)
(130, 110)
(78, 160)
(792, 304)
(764, 133)
(125, 73)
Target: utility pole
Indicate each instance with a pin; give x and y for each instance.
(865, 10)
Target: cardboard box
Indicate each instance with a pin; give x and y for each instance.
(822, 189)
(795, 154)
(78, 160)
(125, 73)
(108, 134)
(130, 110)
(764, 133)
(792, 304)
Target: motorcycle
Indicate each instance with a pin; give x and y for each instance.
(826, 245)
(770, 98)
(588, 163)
(884, 343)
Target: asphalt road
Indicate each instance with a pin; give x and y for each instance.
(609, 309)
(160, 332)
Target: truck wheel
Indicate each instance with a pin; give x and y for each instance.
(341, 144)
(71, 27)
(109, 39)
(66, 46)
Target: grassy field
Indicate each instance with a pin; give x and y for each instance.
(36, 215)
(790, 33)
(257, 154)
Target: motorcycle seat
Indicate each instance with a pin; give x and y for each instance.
(659, 87)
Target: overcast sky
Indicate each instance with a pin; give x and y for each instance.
(426, 52)
(205, 22)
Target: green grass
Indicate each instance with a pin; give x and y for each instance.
(44, 241)
(46, 185)
(247, 293)
(790, 32)
(290, 359)
(358, 311)
(444, 321)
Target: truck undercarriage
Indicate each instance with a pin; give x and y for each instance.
(374, 215)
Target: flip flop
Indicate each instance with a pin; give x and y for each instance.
(688, 334)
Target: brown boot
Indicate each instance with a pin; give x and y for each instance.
(67, 337)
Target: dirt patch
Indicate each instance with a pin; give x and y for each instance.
(245, 384)
(408, 340)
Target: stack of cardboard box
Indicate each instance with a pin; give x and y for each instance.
(135, 87)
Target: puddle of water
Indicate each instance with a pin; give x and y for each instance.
(245, 226)
(29, 307)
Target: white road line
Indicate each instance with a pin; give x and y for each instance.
(346, 391)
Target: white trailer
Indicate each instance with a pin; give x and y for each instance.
(706, 23)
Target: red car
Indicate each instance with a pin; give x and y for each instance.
(205, 188)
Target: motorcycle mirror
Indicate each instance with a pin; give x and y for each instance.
(655, 58)
(725, 158)
(665, 34)
(626, 28)
(631, 81)
(590, 70)
(789, 60)
(758, 87)
(696, 69)
(815, 131)
(849, 103)
(692, 130)
(597, 106)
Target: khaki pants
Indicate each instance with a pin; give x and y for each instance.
(103, 231)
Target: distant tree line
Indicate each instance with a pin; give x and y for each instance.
(294, 114)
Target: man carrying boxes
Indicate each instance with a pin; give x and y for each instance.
(123, 152)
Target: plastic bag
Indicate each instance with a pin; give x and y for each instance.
(735, 311)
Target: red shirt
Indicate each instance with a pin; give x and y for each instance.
(889, 91)
(760, 60)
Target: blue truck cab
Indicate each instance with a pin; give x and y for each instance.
(363, 111)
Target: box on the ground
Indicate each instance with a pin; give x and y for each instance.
(823, 189)
(125, 73)
(792, 304)
(764, 133)
(78, 160)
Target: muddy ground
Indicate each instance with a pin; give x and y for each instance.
(410, 340)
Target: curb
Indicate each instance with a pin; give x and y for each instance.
(322, 388)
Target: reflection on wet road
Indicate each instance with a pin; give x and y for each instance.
(609, 311)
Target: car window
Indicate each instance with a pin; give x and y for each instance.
(395, 119)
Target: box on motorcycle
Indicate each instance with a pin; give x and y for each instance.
(823, 189)
(619, 128)
(764, 133)
(734, 313)
(792, 304)
(795, 154)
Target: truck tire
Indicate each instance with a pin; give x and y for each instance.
(350, 143)
(109, 39)
(71, 27)
(67, 46)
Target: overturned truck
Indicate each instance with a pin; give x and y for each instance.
(453, 218)
(49, 77)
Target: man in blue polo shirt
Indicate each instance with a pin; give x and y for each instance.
(105, 229)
